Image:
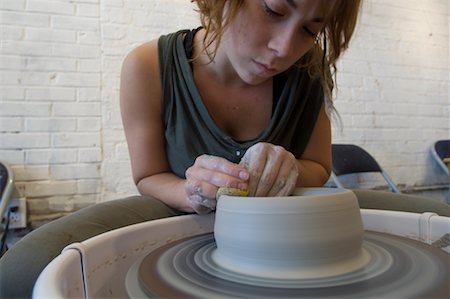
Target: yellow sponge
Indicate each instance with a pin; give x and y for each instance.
(231, 191)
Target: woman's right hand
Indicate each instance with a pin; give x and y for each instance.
(207, 175)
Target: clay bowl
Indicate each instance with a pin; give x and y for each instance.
(315, 233)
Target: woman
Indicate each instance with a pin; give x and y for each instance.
(242, 102)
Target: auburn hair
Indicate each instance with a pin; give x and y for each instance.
(339, 25)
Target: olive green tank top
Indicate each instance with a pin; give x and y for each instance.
(190, 130)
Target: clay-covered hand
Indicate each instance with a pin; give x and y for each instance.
(273, 170)
(207, 175)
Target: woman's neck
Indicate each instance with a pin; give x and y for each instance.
(220, 68)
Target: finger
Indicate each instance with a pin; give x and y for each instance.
(287, 190)
(197, 204)
(286, 181)
(255, 161)
(223, 180)
(199, 187)
(286, 168)
(222, 165)
(276, 171)
(199, 200)
(198, 197)
(269, 176)
(217, 179)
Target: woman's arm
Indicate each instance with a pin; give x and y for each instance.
(314, 167)
(140, 102)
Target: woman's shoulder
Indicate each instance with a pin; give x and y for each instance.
(145, 56)
(142, 58)
(139, 76)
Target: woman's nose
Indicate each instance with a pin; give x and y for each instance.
(283, 44)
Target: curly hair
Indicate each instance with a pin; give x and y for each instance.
(339, 25)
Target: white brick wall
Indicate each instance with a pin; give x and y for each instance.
(51, 110)
(394, 87)
(60, 61)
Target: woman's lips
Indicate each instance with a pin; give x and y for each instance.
(264, 68)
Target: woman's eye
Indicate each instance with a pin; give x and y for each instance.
(270, 11)
(309, 32)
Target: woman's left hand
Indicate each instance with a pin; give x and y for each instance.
(273, 170)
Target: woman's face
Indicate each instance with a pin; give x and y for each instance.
(269, 36)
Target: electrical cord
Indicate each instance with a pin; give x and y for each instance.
(3, 246)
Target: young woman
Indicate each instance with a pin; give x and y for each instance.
(241, 102)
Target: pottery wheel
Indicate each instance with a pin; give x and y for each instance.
(398, 268)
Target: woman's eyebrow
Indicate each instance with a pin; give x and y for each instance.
(294, 5)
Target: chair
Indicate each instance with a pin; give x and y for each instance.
(352, 159)
(6, 189)
(440, 152)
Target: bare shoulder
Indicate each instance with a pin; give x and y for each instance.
(139, 81)
(142, 60)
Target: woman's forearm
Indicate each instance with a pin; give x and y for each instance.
(311, 174)
(166, 187)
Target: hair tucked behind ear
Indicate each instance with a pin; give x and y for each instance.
(340, 21)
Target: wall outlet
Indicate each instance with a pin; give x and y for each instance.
(18, 217)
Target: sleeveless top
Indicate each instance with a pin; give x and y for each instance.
(190, 130)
